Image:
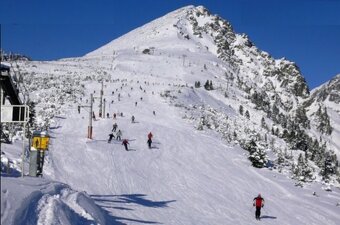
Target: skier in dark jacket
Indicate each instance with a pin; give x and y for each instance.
(114, 127)
(149, 142)
(110, 137)
(258, 203)
(125, 143)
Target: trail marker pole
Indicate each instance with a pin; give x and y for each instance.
(89, 129)
(101, 101)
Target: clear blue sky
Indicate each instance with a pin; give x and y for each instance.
(304, 31)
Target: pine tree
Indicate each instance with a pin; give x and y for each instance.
(211, 85)
(241, 109)
(263, 123)
(247, 115)
(206, 85)
(257, 155)
(330, 166)
(301, 171)
(280, 157)
(301, 117)
(197, 84)
(324, 122)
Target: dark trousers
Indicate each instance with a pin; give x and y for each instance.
(126, 148)
(258, 212)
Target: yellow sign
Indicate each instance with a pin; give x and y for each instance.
(40, 143)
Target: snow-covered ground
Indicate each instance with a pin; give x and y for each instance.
(188, 177)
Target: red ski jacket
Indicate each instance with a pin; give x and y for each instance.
(258, 201)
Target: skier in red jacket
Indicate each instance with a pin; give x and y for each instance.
(258, 203)
(150, 136)
(125, 143)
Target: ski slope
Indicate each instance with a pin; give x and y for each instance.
(188, 177)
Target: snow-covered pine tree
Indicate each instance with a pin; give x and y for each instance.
(301, 117)
(257, 155)
(324, 125)
(264, 124)
(330, 166)
(211, 87)
(241, 109)
(302, 171)
(247, 115)
(206, 85)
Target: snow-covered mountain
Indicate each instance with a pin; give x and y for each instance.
(205, 92)
(324, 112)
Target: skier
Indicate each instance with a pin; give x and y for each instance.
(110, 137)
(114, 127)
(149, 142)
(114, 115)
(125, 143)
(119, 135)
(154, 113)
(133, 119)
(258, 203)
(150, 136)
(108, 115)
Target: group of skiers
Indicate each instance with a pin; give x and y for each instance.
(118, 136)
(118, 133)
(125, 142)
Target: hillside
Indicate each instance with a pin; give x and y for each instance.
(196, 172)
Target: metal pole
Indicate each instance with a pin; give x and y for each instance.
(104, 108)
(89, 129)
(23, 152)
(26, 116)
(101, 101)
(1, 96)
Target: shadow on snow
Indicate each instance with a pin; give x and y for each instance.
(116, 202)
(268, 217)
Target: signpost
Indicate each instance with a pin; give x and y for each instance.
(40, 141)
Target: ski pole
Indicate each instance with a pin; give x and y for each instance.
(265, 211)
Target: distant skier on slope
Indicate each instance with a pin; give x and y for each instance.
(125, 143)
(258, 202)
(110, 137)
(150, 135)
(114, 127)
(119, 135)
(149, 143)
(132, 119)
